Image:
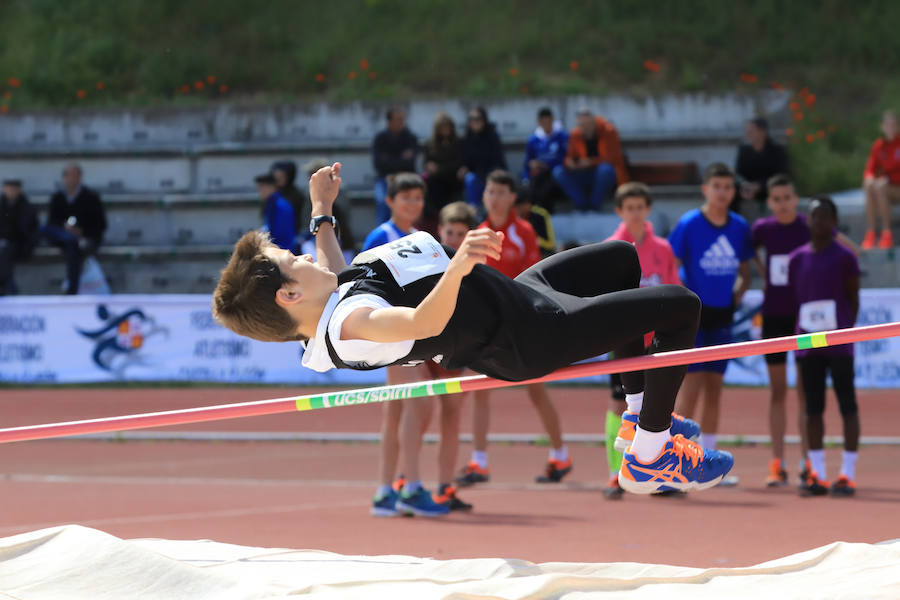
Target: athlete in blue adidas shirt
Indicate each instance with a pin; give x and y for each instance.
(714, 247)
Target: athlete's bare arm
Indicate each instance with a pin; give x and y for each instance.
(324, 185)
(428, 319)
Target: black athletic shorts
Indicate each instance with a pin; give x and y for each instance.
(773, 327)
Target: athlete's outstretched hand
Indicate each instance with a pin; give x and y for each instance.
(323, 188)
(477, 247)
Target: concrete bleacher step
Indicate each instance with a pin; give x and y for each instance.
(133, 269)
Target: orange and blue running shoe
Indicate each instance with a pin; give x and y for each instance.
(446, 496)
(471, 474)
(814, 486)
(777, 475)
(398, 483)
(555, 471)
(843, 487)
(683, 465)
(680, 425)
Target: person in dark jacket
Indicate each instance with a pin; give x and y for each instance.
(758, 160)
(393, 151)
(18, 232)
(482, 153)
(285, 174)
(443, 160)
(76, 223)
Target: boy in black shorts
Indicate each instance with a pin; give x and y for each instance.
(409, 301)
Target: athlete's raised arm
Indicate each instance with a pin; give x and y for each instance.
(324, 185)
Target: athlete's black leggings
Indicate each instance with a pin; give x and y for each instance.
(604, 310)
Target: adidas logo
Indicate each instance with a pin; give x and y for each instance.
(720, 258)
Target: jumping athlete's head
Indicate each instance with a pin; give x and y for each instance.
(406, 199)
(782, 198)
(269, 294)
(718, 186)
(455, 221)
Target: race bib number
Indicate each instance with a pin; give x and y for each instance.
(778, 269)
(413, 257)
(819, 315)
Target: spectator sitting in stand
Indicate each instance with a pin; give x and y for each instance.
(540, 221)
(482, 153)
(881, 182)
(278, 214)
(345, 234)
(285, 174)
(757, 160)
(393, 151)
(18, 232)
(443, 161)
(75, 223)
(594, 162)
(546, 150)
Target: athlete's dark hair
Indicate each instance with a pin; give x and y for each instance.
(503, 178)
(827, 202)
(632, 189)
(244, 300)
(717, 170)
(402, 182)
(458, 212)
(777, 180)
(760, 122)
(545, 112)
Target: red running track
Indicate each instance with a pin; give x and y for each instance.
(315, 495)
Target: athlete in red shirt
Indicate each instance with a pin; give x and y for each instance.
(519, 251)
(881, 182)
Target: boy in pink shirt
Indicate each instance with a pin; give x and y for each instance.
(658, 265)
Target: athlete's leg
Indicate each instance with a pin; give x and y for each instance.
(390, 442)
(537, 393)
(777, 407)
(712, 396)
(481, 420)
(448, 448)
(845, 390)
(689, 395)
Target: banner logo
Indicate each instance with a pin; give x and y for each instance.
(119, 341)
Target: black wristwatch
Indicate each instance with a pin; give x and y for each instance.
(316, 222)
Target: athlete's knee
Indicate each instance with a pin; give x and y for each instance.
(625, 254)
(848, 407)
(681, 301)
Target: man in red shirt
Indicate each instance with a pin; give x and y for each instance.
(519, 251)
(881, 182)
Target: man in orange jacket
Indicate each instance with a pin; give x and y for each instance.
(594, 163)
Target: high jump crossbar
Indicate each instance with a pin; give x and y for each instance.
(445, 386)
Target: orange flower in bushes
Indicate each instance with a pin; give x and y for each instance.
(794, 106)
(210, 79)
(573, 66)
(372, 75)
(832, 129)
(776, 86)
(14, 82)
(199, 85)
(810, 138)
(748, 78)
(81, 94)
(651, 66)
(364, 64)
(320, 77)
(223, 89)
(351, 75)
(820, 134)
(798, 116)
(4, 109)
(513, 72)
(810, 99)
(789, 132)
(185, 89)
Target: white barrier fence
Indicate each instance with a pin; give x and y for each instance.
(81, 339)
